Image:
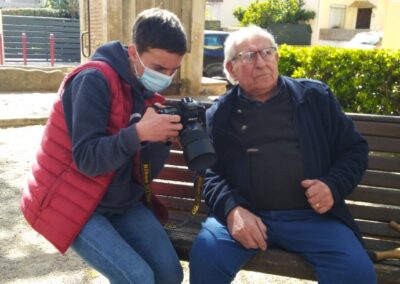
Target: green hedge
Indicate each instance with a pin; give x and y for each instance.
(38, 12)
(364, 81)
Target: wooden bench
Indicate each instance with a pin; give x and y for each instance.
(374, 203)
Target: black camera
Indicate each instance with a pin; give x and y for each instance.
(198, 151)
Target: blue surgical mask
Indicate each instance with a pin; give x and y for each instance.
(152, 80)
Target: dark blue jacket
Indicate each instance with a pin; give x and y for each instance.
(86, 103)
(332, 150)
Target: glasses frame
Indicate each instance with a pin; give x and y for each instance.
(250, 57)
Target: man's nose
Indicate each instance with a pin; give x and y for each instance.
(259, 60)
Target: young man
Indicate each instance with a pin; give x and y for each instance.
(287, 158)
(86, 186)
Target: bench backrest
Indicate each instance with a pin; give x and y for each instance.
(374, 203)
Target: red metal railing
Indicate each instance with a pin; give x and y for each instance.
(24, 53)
(1, 50)
(25, 50)
(52, 49)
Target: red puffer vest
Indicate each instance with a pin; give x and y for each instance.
(60, 199)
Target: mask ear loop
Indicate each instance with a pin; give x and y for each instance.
(134, 65)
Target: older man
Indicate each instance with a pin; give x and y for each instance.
(287, 158)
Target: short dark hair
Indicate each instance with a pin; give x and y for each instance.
(159, 28)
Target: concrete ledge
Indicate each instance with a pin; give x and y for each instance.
(212, 87)
(31, 79)
(20, 122)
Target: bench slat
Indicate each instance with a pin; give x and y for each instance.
(364, 193)
(385, 129)
(176, 174)
(179, 204)
(378, 229)
(383, 144)
(176, 158)
(374, 212)
(173, 189)
(382, 179)
(390, 164)
(376, 244)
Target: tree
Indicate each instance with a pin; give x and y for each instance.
(263, 13)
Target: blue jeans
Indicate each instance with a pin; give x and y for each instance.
(331, 248)
(129, 248)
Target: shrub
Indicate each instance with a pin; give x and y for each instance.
(36, 12)
(263, 13)
(364, 81)
(70, 8)
(56, 9)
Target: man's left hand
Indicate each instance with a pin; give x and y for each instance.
(318, 195)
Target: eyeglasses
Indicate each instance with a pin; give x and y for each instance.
(250, 57)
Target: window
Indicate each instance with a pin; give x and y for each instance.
(337, 16)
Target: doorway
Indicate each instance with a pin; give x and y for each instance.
(363, 18)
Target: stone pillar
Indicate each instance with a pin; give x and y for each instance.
(129, 16)
(192, 67)
(113, 20)
(84, 30)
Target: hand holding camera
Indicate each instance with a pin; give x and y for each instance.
(158, 128)
(198, 151)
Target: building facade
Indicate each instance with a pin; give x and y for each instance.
(342, 17)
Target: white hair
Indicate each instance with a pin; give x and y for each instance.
(236, 38)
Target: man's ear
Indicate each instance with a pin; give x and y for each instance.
(230, 69)
(132, 52)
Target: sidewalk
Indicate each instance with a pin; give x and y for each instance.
(21, 109)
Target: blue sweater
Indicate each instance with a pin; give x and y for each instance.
(332, 150)
(86, 103)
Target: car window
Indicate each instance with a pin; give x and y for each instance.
(213, 42)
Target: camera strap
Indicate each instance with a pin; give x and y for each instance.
(146, 173)
(198, 184)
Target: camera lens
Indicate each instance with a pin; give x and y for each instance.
(198, 151)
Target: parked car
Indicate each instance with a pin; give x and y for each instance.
(366, 40)
(213, 56)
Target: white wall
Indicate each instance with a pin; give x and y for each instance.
(314, 5)
(224, 11)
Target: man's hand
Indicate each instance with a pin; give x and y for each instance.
(318, 195)
(247, 228)
(158, 127)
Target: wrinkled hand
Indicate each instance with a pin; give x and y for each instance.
(247, 228)
(318, 194)
(157, 127)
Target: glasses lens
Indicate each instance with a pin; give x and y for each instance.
(267, 53)
(249, 57)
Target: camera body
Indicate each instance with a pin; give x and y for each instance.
(188, 109)
(198, 151)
